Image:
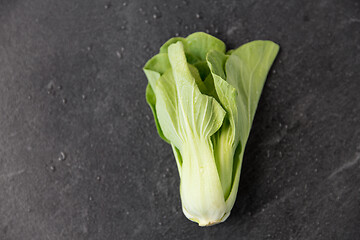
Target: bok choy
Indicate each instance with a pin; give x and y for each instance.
(204, 100)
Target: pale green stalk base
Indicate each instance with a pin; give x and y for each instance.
(205, 222)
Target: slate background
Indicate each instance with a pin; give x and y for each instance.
(71, 81)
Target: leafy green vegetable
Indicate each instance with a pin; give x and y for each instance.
(204, 100)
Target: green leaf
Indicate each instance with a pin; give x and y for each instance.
(246, 70)
(199, 44)
(227, 138)
(159, 63)
(189, 56)
(153, 69)
(216, 61)
(151, 100)
(181, 108)
(167, 108)
(178, 158)
(230, 51)
(228, 95)
(191, 59)
(203, 69)
(196, 75)
(165, 46)
(210, 87)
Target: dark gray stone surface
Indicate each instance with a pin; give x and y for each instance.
(71, 81)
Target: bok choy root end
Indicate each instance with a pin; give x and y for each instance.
(204, 100)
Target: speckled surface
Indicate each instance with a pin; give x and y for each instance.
(71, 82)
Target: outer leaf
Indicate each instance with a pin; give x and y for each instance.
(151, 100)
(246, 70)
(199, 44)
(167, 109)
(159, 63)
(165, 46)
(189, 56)
(155, 67)
(178, 158)
(153, 70)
